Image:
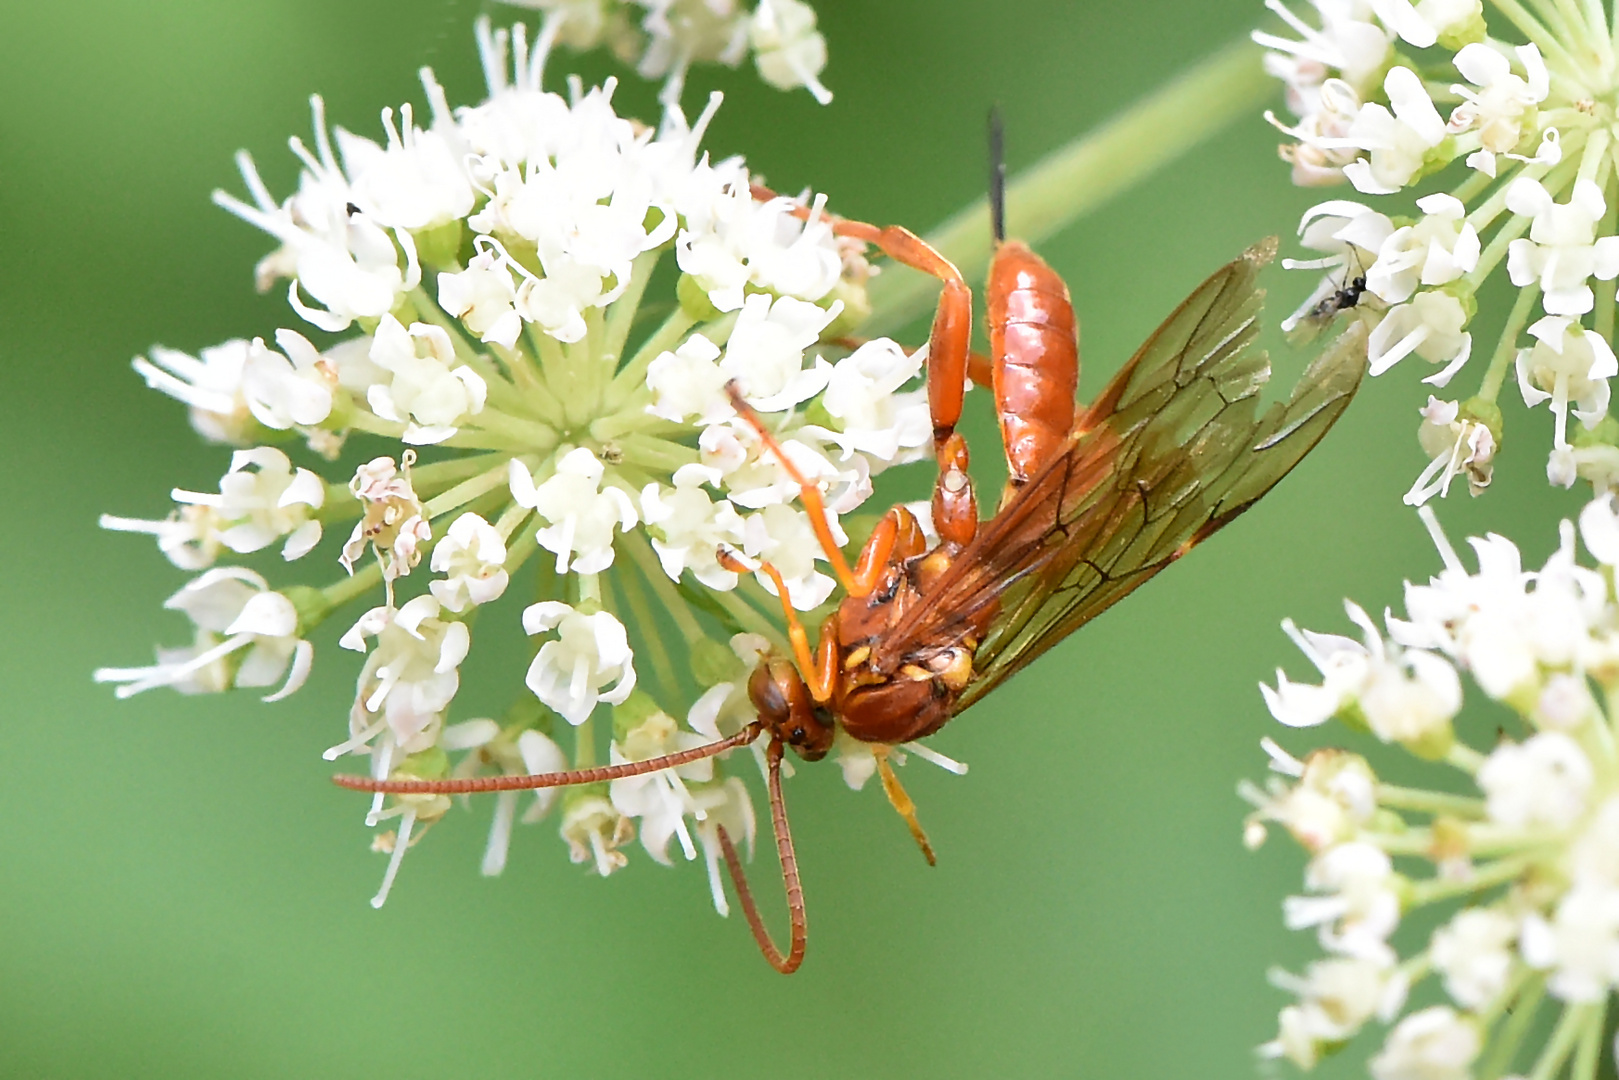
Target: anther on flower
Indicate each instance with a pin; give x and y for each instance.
(549, 451)
(1494, 120)
(1516, 843)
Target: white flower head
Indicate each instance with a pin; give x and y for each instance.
(1431, 325)
(730, 240)
(416, 181)
(411, 675)
(1569, 366)
(209, 384)
(262, 499)
(1349, 40)
(1439, 248)
(1540, 782)
(430, 391)
(765, 353)
(782, 535)
(688, 528)
(1579, 944)
(1434, 1044)
(472, 556)
(1563, 251)
(594, 831)
(1496, 109)
(689, 383)
(1349, 235)
(1335, 795)
(1474, 953)
(583, 513)
(1356, 906)
(571, 673)
(661, 800)
(246, 635)
(787, 48)
(1398, 141)
(872, 416)
(291, 390)
(1337, 996)
(346, 260)
(1455, 447)
(484, 297)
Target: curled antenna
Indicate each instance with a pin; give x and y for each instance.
(997, 175)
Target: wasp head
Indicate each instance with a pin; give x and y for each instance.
(777, 690)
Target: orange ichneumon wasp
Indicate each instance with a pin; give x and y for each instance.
(1098, 499)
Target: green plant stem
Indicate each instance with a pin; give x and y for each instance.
(1512, 1033)
(1086, 173)
(1506, 350)
(1568, 1029)
(1589, 1050)
(1429, 802)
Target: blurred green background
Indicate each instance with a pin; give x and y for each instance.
(183, 894)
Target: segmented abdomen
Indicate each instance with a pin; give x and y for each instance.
(1034, 350)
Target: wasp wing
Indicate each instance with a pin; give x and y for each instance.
(1171, 450)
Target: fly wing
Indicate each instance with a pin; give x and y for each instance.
(1173, 449)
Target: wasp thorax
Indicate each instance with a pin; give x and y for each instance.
(777, 690)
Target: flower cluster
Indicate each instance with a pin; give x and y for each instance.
(1388, 94)
(519, 390)
(664, 38)
(1527, 841)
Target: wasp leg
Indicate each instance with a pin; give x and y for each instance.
(820, 669)
(902, 802)
(952, 322)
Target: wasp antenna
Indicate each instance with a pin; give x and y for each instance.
(799, 926)
(997, 175)
(473, 785)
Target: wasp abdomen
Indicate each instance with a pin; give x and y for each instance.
(1034, 347)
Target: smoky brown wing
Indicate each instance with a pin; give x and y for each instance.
(1173, 448)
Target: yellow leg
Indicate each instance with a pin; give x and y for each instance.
(902, 802)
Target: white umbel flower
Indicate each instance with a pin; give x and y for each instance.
(1398, 141)
(583, 513)
(1434, 1044)
(261, 499)
(1541, 782)
(247, 636)
(787, 48)
(430, 391)
(1456, 447)
(472, 558)
(412, 674)
(1563, 251)
(1356, 906)
(571, 673)
(689, 528)
(209, 384)
(1474, 953)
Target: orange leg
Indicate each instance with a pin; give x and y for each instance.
(897, 535)
(955, 509)
(808, 493)
(952, 323)
(820, 669)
